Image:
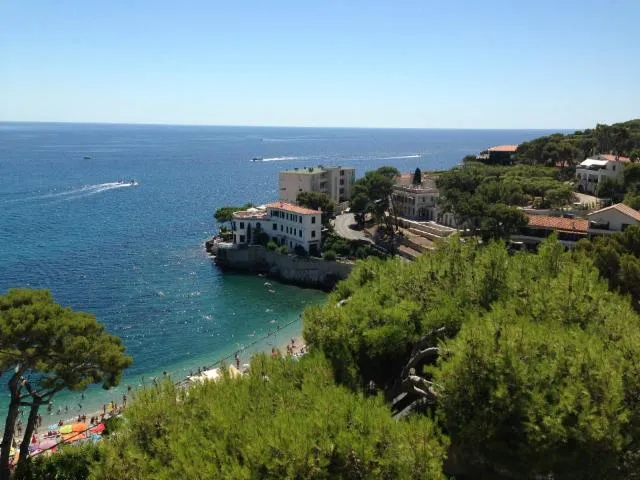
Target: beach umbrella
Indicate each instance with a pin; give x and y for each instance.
(73, 437)
(98, 428)
(79, 427)
(64, 429)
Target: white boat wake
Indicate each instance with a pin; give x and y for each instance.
(76, 193)
(280, 159)
(401, 157)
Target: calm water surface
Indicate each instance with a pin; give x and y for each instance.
(133, 255)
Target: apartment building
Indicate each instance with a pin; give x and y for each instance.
(336, 182)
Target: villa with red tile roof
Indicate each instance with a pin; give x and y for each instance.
(605, 221)
(500, 154)
(284, 223)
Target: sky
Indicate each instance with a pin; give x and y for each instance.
(352, 63)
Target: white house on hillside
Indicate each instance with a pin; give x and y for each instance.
(612, 219)
(591, 171)
(285, 223)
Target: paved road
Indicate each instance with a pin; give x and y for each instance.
(586, 199)
(342, 226)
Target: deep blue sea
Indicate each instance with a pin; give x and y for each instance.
(134, 256)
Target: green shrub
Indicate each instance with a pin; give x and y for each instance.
(282, 249)
(329, 256)
(285, 420)
(272, 246)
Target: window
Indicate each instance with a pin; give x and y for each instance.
(342, 181)
(275, 226)
(341, 174)
(300, 219)
(258, 226)
(281, 228)
(342, 190)
(313, 234)
(294, 231)
(241, 238)
(300, 232)
(233, 225)
(241, 225)
(287, 230)
(313, 219)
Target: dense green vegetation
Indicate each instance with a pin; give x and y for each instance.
(317, 201)
(46, 348)
(484, 198)
(371, 193)
(529, 363)
(225, 214)
(349, 248)
(568, 150)
(617, 258)
(287, 419)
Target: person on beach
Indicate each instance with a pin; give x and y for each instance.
(237, 360)
(124, 400)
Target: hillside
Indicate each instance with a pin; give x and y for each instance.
(567, 150)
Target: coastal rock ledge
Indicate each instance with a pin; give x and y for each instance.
(287, 268)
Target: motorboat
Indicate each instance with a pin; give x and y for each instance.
(257, 159)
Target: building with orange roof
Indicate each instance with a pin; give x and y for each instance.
(498, 155)
(539, 227)
(284, 223)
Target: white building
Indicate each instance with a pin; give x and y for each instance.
(594, 169)
(336, 182)
(612, 219)
(415, 202)
(285, 223)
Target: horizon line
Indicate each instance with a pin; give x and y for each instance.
(160, 124)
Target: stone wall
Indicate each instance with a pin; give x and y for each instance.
(304, 271)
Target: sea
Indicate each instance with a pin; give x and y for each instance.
(132, 254)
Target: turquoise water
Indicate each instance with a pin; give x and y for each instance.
(134, 256)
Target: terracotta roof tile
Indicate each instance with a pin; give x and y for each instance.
(557, 223)
(610, 157)
(622, 208)
(503, 148)
(289, 207)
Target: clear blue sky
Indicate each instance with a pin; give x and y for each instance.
(423, 63)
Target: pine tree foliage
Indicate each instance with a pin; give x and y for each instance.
(286, 420)
(537, 365)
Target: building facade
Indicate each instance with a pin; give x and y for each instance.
(416, 202)
(612, 219)
(336, 182)
(591, 172)
(284, 223)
